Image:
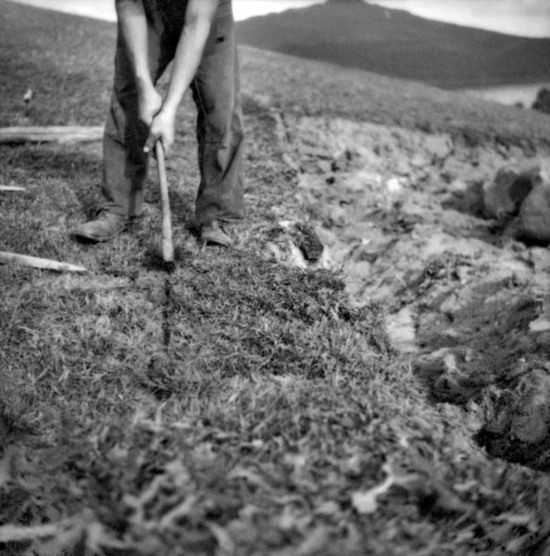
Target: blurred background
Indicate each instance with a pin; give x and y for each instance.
(528, 18)
(409, 39)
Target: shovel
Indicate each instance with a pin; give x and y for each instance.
(167, 243)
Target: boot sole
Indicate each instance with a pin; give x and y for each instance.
(95, 239)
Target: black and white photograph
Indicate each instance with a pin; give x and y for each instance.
(274, 277)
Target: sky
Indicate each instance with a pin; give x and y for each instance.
(530, 18)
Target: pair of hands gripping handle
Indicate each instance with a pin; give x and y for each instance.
(151, 107)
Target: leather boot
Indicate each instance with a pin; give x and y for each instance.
(213, 232)
(105, 227)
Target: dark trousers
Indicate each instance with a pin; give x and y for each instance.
(219, 130)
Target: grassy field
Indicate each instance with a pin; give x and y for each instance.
(236, 406)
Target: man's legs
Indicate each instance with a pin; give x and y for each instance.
(124, 162)
(219, 128)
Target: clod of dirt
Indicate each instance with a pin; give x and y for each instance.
(520, 201)
(518, 421)
(307, 241)
(503, 196)
(534, 216)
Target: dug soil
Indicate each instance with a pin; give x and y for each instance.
(401, 213)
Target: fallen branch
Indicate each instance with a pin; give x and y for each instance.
(7, 188)
(50, 134)
(37, 262)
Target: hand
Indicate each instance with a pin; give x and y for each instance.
(163, 128)
(149, 104)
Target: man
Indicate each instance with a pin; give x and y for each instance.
(198, 36)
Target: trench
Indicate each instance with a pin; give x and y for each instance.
(167, 312)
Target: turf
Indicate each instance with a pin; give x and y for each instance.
(236, 405)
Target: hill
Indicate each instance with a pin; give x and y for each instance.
(258, 400)
(396, 43)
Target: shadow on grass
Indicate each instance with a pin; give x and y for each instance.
(182, 203)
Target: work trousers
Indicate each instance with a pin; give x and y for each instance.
(219, 131)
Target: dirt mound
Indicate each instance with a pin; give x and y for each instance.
(401, 213)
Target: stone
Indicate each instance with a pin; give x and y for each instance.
(503, 196)
(539, 325)
(529, 413)
(533, 222)
(542, 102)
(439, 146)
(401, 330)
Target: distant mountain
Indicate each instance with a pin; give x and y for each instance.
(395, 43)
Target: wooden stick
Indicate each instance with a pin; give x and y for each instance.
(50, 134)
(37, 262)
(7, 188)
(167, 243)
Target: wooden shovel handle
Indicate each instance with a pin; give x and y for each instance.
(167, 243)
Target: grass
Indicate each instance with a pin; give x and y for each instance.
(236, 406)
